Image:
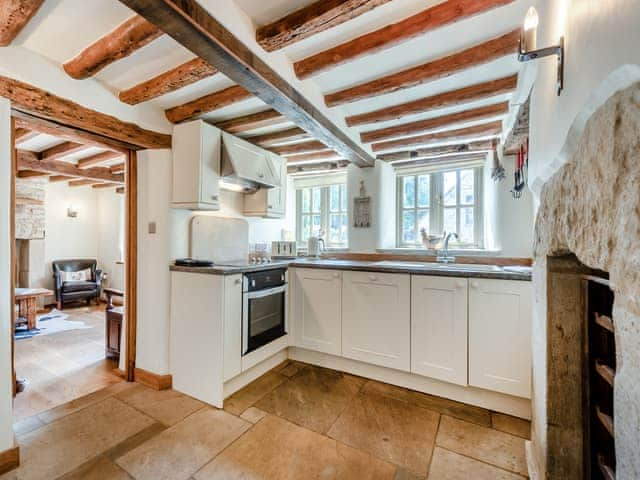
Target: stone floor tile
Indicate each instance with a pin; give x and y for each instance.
(249, 395)
(253, 415)
(65, 444)
(404, 474)
(101, 468)
(390, 429)
(275, 449)
(180, 451)
(290, 368)
(314, 398)
(513, 425)
(447, 465)
(469, 413)
(491, 446)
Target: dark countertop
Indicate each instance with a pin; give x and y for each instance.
(414, 268)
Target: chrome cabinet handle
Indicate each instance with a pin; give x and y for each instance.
(373, 278)
(336, 275)
(214, 197)
(475, 284)
(238, 281)
(459, 285)
(261, 175)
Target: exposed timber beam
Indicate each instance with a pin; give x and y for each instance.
(441, 151)
(327, 155)
(296, 148)
(449, 160)
(427, 72)
(430, 124)
(459, 135)
(318, 167)
(14, 16)
(128, 37)
(441, 100)
(119, 168)
(62, 150)
(30, 174)
(97, 159)
(31, 161)
(59, 178)
(103, 185)
(167, 82)
(81, 183)
(65, 113)
(206, 104)
(194, 28)
(437, 16)
(253, 121)
(273, 138)
(24, 134)
(315, 18)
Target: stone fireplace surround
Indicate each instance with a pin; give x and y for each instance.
(589, 216)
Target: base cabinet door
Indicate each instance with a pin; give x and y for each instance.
(317, 310)
(439, 328)
(376, 318)
(500, 336)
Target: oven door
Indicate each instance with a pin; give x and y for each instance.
(264, 317)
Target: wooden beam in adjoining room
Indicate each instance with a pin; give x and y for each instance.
(24, 134)
(318, 167)
(427, 72)
(441, 151)
(81, 183)
(30, 174)
(274, 138)
(62, 150)
(31, 161)
(119, 168)
(440, 15)
(206, 104)
(98, 159)
(98, 186)
(327, 155)
(450, 98)
(53, 113)
(128, 37)
(296, 148)
(430, 124)
(310, 20)
(59, 178)
(193, 27)
(449, 160)
(167, 82)
(253, 121)
(14, 16)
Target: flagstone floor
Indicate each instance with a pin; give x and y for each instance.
(295, 422)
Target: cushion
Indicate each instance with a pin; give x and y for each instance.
(79, 276)
(69, 287)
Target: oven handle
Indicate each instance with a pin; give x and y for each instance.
(266, 293)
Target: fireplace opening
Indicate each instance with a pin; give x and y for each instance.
(600, 371)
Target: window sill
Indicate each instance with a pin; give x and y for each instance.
(470, 252)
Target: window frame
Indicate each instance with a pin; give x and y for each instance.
(436, 204)
(325, 212)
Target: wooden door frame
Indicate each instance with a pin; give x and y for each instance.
(131, 244)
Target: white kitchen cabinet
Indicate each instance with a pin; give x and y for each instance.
(439, 328)
(500, 336)
(232, 326)
(249, 161)
(316, 309)
(269, 202)
(376, 318)
(196, 166)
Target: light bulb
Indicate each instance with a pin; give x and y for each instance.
(529, 40)
(531, 20)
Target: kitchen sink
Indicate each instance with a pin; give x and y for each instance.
(462, 267)
(394, 264)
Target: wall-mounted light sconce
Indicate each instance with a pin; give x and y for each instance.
(72, 212)
(528, 50)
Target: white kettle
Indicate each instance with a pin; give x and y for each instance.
(315, 246)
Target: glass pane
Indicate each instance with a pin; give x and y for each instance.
(343, 196)
(306, 228)
(466, 225)
(450, 188)
(334, 198)
(424, 185)
(306, 200)
(315, 225)
(334, 228)
(409, 227)
(316, 199)
(466, 187)
(343, 229)
(423, 220)
(450, 223)
(408, 191)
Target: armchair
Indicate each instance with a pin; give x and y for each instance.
(67, 292)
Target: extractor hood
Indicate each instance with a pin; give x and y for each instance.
(247, 166)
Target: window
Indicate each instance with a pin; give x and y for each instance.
(440, 201)
(322, 211)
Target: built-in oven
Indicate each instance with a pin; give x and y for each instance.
(264, 308)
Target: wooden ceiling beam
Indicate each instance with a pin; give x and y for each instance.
(31, 161)
(103, 185)
(128, 37)
(437, 16)
(59, 114)
(296, 148)
(24, 134)
(14, 16)
(431, 124)
(30, 174)
(452, 159)
(119, 168)
(427, 72)
(274, 138)
(59, 178)
(327, 155)
(315, 18)
(62, 150)
(206, 104)
(253, 121)
(81, 183)
(441, 100)
(167, 82)
(98, 159)
(318, 167)
(441, 151)
(459, 135)
(193, 27)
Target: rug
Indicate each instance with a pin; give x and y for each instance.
(53, 322)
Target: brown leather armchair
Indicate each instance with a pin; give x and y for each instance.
(67, 292)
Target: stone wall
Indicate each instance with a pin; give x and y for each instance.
(591, 208)
(30, 217)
